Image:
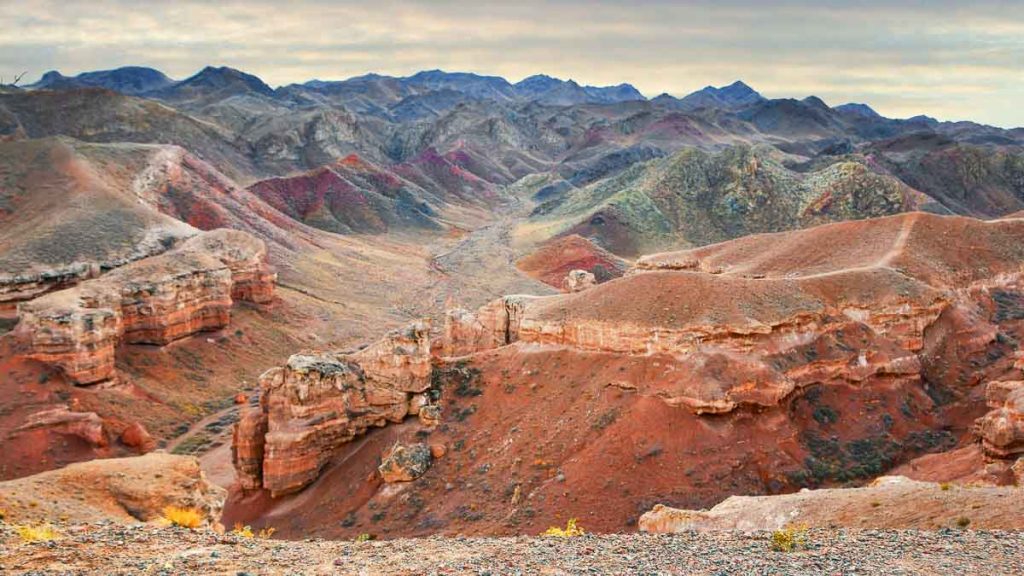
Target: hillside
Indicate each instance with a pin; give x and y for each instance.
(695, 197)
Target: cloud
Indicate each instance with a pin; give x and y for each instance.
(952, 60)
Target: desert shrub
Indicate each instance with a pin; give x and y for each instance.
(605, 419)
(364, 537)
(247, 532)
(963, 522)
(43, 532)
(183, 517)
(825, 415)
(571, 530)
(243, 531)
(789, 538)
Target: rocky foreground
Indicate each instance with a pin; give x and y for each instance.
(148, 550)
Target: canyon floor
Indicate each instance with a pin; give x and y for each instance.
(149, 550)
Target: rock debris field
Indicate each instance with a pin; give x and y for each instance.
(150, 550)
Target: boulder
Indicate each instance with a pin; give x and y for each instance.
(579, 280)
(406, 463)
(430, 415)
(136, 436)
(1001, 430)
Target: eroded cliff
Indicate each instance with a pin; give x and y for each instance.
(152, 301)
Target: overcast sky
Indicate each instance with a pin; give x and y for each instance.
(951, 60)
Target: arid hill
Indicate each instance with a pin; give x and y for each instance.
(819, 357)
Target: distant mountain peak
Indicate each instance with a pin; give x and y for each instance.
(735, 95)
(858, 109)
(132, 80)
(815, 101)
(224, 77)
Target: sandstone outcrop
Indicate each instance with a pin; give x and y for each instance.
(1002, 429)
(85, 425)
(123, 490)
(846, 302)
(494, 324)
(405, 463)
(315, 403)
(152, 301)
(889, 502)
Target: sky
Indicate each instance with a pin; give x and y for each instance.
(951, 60)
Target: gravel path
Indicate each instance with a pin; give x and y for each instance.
(149, 550)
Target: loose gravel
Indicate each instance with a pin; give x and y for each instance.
(171, 551)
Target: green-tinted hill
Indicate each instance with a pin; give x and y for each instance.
(696, 197)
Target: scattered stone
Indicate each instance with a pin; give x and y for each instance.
(430, 415)
(579, 280)
(406, 463)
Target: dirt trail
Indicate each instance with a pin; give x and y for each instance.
(481, 265)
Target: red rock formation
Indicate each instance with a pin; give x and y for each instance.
(136, 436)
(86, 425)
(152, 301)
(315, 403)
(494, 324)
(764, 324)
(1002, 429)
(810, 358)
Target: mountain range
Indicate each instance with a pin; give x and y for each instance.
(376, 153)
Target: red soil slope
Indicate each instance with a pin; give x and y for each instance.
(822, 357)
(553, 260)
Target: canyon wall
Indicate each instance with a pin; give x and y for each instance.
(738, 331)
(152, 301)
(317, 402)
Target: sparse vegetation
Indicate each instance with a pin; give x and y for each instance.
(242, 531)
(789, 538)
(247, 532)
(43, 532)
(963, 522)
(571, 530)
(364, 537)
(606, 419)
(825, 415)
(183, 517)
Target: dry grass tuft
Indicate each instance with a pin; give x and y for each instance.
(571, 530)
(39, 533)
(184, 517)
(789, 538)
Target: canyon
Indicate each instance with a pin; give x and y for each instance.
(765, 370)
(446, 304)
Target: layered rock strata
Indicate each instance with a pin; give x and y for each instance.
(740, 324)
(317, 402)
(152, 301)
